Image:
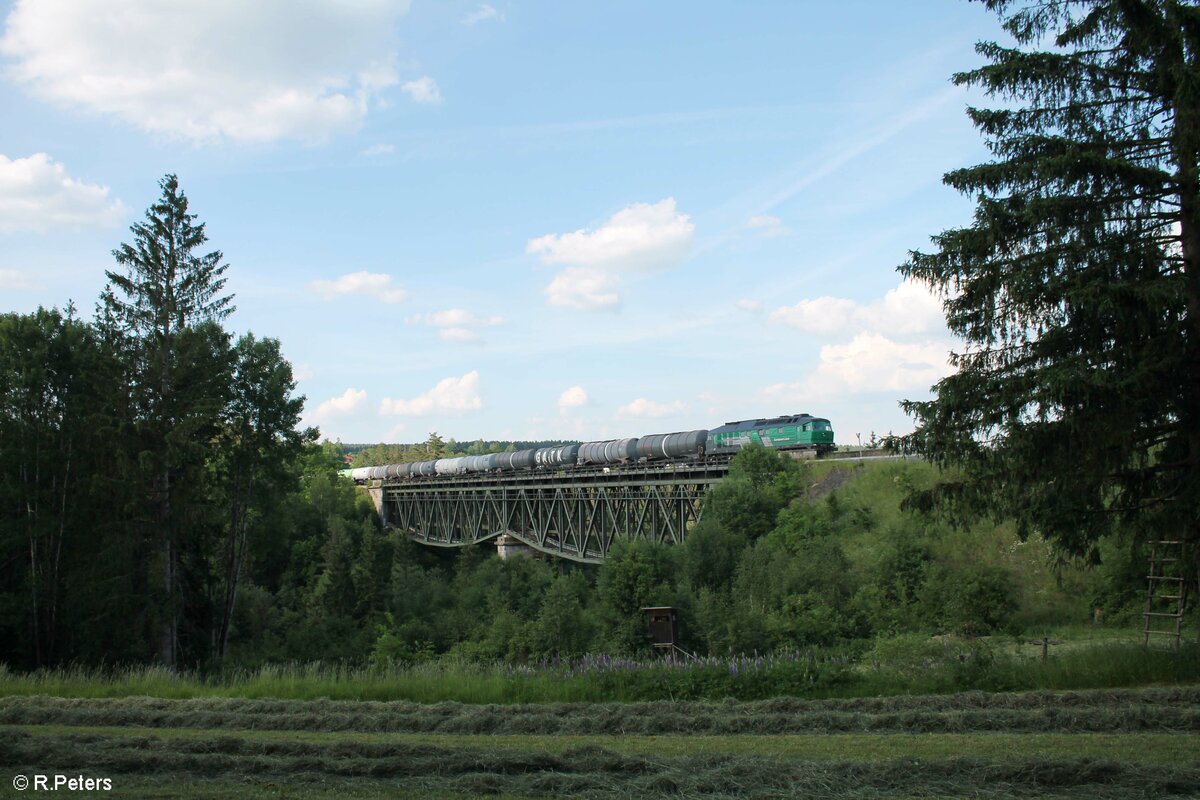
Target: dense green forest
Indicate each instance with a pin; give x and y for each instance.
(158, 503)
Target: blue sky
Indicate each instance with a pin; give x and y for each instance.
(515, 220)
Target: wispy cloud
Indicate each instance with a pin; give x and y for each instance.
(16, 279)
(423, 90)
(373, 284)
(482, 14)
(643, 407)
(756, 203)
(457, 324)
(767, 225)
(833, 162)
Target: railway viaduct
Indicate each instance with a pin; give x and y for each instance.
(568, 513)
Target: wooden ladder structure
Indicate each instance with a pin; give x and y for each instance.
(1166, 592)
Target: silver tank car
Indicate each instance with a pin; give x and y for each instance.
(613, 451)
(672, 445)
(360, 474)
(482, 463)
(423, 468)
(448, 466)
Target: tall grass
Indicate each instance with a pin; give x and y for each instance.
(904, 668)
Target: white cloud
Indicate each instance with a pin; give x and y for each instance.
(749, 306)
(572, 398)
(393, 434)
(767, 225)
(484, 12)
(374, 284)
(348, 401)
(579, 287)
(450, 394)
(249, 71)
(640, 236)
(823, 315)
(649, 408)
(870, 362)
(379, 150)
(908, 309)
(36, 194)
(302, 372)
(423, 90)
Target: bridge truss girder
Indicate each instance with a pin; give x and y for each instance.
(571, 517)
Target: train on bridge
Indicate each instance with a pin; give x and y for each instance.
(792, 432)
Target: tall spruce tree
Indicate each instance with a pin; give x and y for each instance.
(1075, 406)
(164, 310)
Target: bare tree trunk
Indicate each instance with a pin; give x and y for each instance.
(56, 556)
(35, 564)
(231, 562)
(237, 543)
(167, 633)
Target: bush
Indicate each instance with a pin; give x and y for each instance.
(972, 600)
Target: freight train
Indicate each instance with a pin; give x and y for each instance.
(793, 432)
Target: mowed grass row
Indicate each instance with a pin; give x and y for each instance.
(1175, 710)
(1141, 748)
(170, 765)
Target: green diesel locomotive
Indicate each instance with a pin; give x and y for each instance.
(797, 432)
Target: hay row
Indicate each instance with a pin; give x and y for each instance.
(590, 771)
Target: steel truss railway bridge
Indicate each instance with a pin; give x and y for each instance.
(570, 513)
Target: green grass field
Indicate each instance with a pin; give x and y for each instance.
(904, 665)
(1094, 744)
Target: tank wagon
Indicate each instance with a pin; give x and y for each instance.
(795, 432)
